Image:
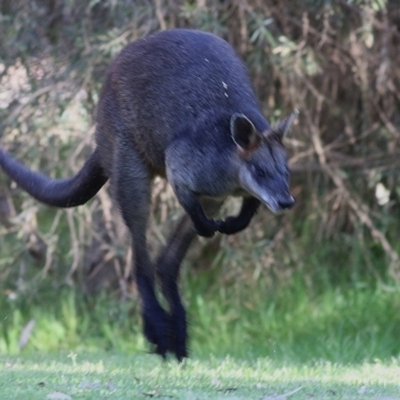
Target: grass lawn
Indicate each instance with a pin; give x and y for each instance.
(276, 337)
(139, 376)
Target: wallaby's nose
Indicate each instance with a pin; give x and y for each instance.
(287, 203)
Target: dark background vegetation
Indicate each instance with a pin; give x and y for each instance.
(336, 61)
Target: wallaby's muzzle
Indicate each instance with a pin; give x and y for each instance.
(286, 204)
(279, 205)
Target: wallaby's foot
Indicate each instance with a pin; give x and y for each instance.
(166, 332)
(177, 343)
(156, 327)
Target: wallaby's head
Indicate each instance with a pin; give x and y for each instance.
(262, 169)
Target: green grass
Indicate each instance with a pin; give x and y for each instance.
(247, 341)
(117, 376)
(286, 323)
(338, 325)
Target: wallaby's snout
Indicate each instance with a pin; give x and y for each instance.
(286, 203)
(278, 204)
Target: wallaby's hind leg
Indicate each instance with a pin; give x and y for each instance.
(168, 264)
(132, 188)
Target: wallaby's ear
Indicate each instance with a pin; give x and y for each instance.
(283, 127)
(243, 132)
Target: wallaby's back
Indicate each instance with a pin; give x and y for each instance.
(173, 83)
(168, 85)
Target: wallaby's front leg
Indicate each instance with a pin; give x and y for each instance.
(236, 224)
(202, 224)
(167, 268)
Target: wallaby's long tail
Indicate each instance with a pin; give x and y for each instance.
(69, 192)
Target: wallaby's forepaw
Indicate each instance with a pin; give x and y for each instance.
(207, 228)
(232, 225)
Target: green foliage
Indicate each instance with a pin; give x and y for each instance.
(285, 322)
(294, 324)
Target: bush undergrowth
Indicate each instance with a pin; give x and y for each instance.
(291, 321)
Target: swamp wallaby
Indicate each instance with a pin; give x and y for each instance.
(177, 104)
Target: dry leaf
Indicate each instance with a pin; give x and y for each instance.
(26, 334)
(281, 396)
(58, 396)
